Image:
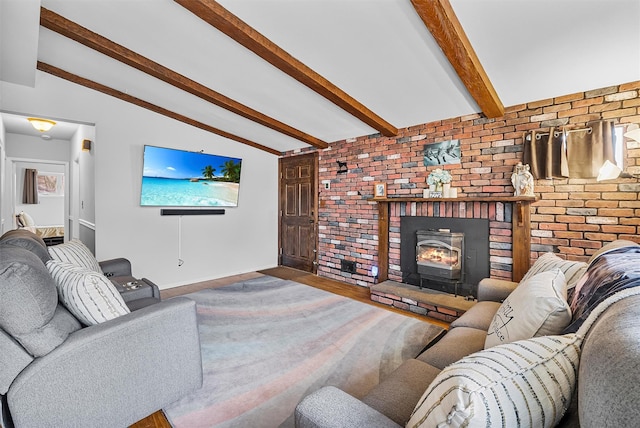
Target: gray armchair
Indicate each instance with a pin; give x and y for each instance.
(110, 374)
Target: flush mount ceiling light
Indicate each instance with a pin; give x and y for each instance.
(42, 125)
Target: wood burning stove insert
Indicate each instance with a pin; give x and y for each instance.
(473, 256)
(440, 257)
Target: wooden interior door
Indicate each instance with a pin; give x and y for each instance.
(298, 213)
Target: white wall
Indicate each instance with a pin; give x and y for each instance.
(86, 173)
(82, 183)
(242, 240)
(2, 177)
(30, 147)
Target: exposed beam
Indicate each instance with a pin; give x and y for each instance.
(219, 17)
(80, 34)
(442, 22)
(58, 72)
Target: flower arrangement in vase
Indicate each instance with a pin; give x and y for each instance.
(437, 178)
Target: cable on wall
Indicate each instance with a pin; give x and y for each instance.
(180, 261)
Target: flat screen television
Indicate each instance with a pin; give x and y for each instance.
(179, 178)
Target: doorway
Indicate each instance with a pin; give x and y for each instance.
(50, 211)
(298, 239)
(65, 150)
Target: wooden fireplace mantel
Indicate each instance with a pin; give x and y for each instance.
(521, 229)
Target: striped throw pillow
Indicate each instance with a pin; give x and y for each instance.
(88, 295)
(75, 253)
(572, 270)
(528, 383)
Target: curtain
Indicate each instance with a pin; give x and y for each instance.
(30, 191)
(544, 153)
(587, 150)
(574, 153)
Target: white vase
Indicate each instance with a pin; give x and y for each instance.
(445, 189)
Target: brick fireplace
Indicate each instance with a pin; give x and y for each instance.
(509, 230)
(508, 235)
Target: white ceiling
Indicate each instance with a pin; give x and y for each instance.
(18, 124)
(377, 51)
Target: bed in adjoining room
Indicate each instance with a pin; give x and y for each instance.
(50, 234)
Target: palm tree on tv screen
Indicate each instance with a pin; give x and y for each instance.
(208, 171)
(231, 171)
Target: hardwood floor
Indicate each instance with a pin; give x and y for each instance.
(156, 420)
(361, 294)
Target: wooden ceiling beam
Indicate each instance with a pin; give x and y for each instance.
(213, 13)
(86, 37)
(58, 72)
(442, 22)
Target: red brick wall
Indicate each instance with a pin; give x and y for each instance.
(573, 217)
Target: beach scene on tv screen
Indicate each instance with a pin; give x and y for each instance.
(189, 179)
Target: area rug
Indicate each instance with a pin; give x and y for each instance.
(268, 342)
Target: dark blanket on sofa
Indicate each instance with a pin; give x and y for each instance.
(609, 273)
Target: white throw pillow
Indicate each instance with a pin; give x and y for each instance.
(572, 270)
(76, 253)
(537, 307)
(88, 295)
(26, 219)
(528, 383)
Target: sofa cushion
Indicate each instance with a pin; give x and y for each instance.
(397, 395)
(76, 253)
(89, 295)
(27, 240)
(525, 383)
(609, 384)
(457, 343)
(494, 289)
(29, 309)
(330, 407)
(478, 316)
(13, 359)
(537, 307)
(572, 270)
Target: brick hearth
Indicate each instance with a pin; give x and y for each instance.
(434, 304)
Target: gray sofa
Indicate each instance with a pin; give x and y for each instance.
(608, 378)
(54, 371)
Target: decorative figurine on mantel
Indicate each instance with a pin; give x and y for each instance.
(522, 180)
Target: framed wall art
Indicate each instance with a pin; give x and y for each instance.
(50, 184)
(442, 153)
(379, 190)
